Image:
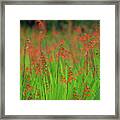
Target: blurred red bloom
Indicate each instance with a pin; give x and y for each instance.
(36, 72)
(62, 41)
(33, 63)
(83, 38)
(87, 36)
(36, 51)
(51, 58)
(78, 30)
(27, 69)
(55, 32)
(95, 33)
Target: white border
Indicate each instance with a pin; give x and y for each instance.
(104, 13)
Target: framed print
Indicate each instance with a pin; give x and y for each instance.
(47, 60)
(60, 59)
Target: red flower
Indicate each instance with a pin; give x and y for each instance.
(87, 36)
(36, 72)
(63, 56)
(62, 41)
(83, 38)
(36, 51)
(61, 48)
(55, 32)
(33, 63)
(78, 30)
(27, 69)
(51, 59)
(95, 33)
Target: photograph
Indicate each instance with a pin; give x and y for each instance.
(59, 59)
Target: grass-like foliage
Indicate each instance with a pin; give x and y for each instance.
(60, 63)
